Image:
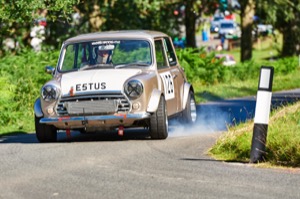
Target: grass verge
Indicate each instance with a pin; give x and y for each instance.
(283, 140)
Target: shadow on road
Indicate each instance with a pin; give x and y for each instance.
(200, 159)
(132, 134)
(214, 160)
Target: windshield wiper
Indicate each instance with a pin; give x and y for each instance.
(131, 64)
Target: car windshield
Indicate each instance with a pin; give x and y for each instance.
(227, 25)
(218, 18)
(106, 54)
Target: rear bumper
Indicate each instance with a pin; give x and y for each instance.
(72, 122)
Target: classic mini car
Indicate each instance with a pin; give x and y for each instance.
(114, 80)
(229, 29)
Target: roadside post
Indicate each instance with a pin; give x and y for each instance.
(262, 112)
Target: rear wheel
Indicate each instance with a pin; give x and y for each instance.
(45, 133)
(189, 114)
(159, 121)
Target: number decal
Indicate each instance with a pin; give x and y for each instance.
(168, 84)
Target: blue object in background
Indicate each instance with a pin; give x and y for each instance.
(179, 43)
(204, 35)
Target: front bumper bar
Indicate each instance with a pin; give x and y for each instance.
(83, 119)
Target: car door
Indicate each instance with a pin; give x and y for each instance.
(168, 76)
(176, 71)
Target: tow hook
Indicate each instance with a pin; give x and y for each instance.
(121, 131)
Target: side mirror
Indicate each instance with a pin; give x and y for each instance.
(50, 70)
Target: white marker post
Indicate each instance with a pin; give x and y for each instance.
(262, 112)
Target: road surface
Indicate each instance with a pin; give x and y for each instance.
(133, 166)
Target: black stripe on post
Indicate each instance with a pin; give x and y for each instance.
(262, 112)
(259, 140)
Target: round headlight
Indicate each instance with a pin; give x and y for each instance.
(133, 89)
(50, 92)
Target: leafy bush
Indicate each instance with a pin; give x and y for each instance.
(7, 95)
(246, 70)
(21, 78)
(202, 66)
(286, 65)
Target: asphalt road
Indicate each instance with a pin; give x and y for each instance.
(133, 166)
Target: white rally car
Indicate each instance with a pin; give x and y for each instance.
(112, 80)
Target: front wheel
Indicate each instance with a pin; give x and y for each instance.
(189, 114)
(45, 133)
(159, 121)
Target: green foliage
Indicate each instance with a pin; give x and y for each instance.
(7, 94)
(284, 16)
(201, 66)
(286, 65)
(21, 79)
(21, 11)
(137, 14)
(205, 68)
(251, 69)
(19, 16)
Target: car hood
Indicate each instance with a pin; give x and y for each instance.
(90, 81)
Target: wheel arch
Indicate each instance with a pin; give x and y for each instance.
(154, 100)
(186, 89)
(38, 108)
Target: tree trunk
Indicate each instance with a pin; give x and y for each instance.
(291, 37)
(190, 24)
(288, 47)
(247, 13)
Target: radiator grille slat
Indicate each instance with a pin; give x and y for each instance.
(93, 104)
(91, 107)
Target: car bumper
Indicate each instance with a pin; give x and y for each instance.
(72, 122)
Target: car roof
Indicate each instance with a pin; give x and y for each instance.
(130, 34)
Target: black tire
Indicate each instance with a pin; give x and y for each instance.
(189, 114)
(45, 133)
(159, 121)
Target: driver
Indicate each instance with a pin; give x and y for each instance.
(103, 55)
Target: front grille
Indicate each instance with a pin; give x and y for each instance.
(93, 104)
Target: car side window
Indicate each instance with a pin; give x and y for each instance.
(160, 57)
(83, 55)
(68, 63)
(170, 52)
(76, 56)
